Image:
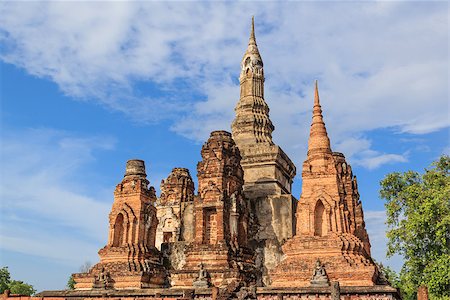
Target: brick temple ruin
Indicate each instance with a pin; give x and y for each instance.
(242, 235)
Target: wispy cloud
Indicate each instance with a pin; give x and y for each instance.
(359, 151)
(375, 160)
(376, 228)
(43, 198)
(384, 65)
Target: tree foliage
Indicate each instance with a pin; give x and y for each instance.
(71, 283)
(21, 288)
(5, 279)
(418, 219)
(15, 286)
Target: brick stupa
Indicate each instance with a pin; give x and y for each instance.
(130, 259)
(268, 170)
(331, 235)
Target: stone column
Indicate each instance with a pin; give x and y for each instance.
(335, 291)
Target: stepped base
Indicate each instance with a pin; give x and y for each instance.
(343, 257)
(125, 267)
(223, 265)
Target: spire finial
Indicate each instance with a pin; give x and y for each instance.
(318, 137)
(252, 123)
(316, 94)
(252, 32)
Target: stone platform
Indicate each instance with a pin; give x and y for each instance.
(261, 293)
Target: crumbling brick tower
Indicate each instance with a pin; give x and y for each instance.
(130, 259)
(330, 221)
(175, 208)
(221, 219)
(268, 171)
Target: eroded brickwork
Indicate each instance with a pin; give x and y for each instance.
(174, 207)
(330, 223)
(221, 218)
(130, 259)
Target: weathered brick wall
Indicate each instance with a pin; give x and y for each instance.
(210, 225)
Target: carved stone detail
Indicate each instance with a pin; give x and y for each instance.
(102, 280)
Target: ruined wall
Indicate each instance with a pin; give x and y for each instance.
(174, 207)
(219, 254)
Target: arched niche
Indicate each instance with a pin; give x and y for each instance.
(118, 231)
(320, 226)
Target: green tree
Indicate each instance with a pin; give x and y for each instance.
(418, 220)
(71, 283)
(15, 286)
(5, 279)
(21, 288)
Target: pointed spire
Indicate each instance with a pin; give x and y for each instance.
(252, 123)
(316, 95)
(251, 57)
(252, 48)
(252, 40)
(318, 137)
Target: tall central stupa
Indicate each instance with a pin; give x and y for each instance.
(268, 171)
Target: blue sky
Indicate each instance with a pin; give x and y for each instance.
(87, 86)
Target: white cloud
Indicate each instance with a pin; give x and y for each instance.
(379, 64)
(359, 152)
(215, 113)
(64, 249)
(376, 228)
(41, 193)
(379, 159)
(353, 146)
(371, 58)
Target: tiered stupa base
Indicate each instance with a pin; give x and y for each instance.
(342, 256)
(223, 265)
(126, 267)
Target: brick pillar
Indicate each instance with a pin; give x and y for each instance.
(214, 292)
(199, 225)
(219, 222)
(422, 293)
(5, 294)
